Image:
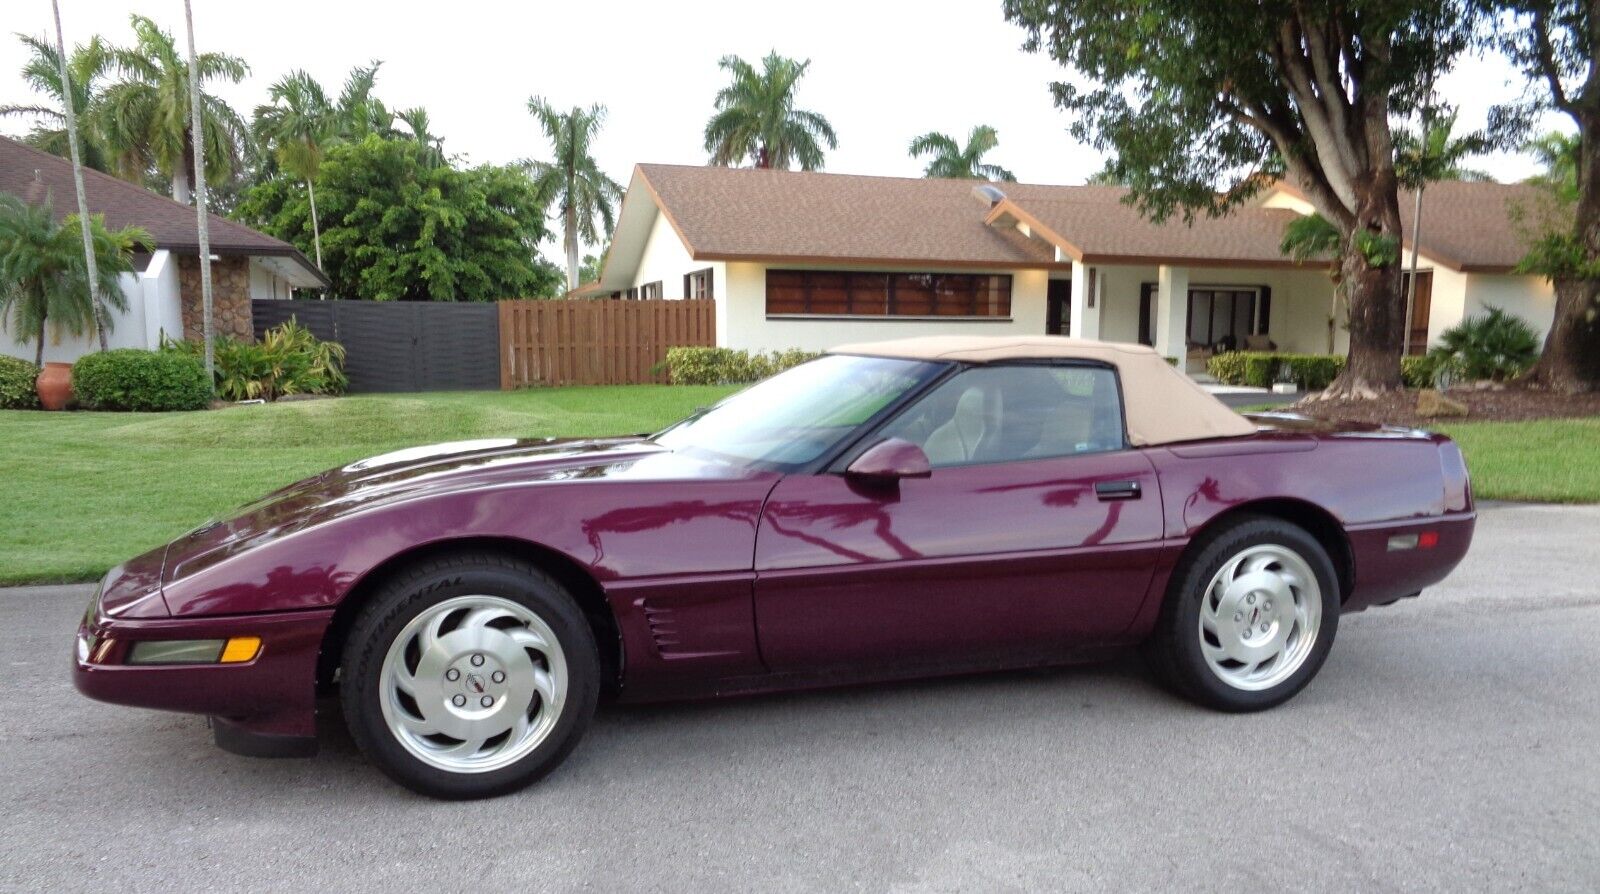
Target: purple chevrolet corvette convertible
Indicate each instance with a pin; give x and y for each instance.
(906, 508)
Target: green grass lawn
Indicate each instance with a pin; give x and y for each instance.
(83, 491)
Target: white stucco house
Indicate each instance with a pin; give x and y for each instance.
(811, 260)
(163, 294)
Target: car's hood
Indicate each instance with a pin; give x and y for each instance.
(419, 472)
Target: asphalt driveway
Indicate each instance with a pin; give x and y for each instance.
(1451, 743)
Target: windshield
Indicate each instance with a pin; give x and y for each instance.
(796, 416)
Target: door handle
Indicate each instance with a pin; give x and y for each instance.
(1117, 490)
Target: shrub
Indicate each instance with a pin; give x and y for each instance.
(17, 379)
(287, 360)
(727, 366)
(1259, 369)
(1493, 345)
(1418, 372)
(131, 379)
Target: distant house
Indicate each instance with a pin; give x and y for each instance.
(164, 294)
(811, 260)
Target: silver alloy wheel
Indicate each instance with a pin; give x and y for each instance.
(1259, 617)
(473, 684)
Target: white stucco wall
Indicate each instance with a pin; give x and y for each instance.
(742, 314)
(1532, 298)
(1301, 302)
(265, 285)
(152, 298)
(665, 259)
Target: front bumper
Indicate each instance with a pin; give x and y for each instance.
(271, 696)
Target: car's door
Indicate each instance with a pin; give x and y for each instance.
(1037, 530)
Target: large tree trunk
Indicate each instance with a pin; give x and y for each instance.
(316, 228)
(1376, 302)
(1571, 358)
(571, 236)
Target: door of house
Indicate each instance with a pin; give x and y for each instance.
(1058, 308)
(1421, 305)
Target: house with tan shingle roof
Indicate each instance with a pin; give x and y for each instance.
(811, 260)
(163, 293)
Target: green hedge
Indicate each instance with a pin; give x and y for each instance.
(148, 381)
(17, 391)
(1312, 372)
(726, 366)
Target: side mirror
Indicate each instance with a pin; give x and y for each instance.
(890, 461)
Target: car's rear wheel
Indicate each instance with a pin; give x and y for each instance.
(1250, 616)
(469, 676)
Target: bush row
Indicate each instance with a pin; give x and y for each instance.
(1312, 372)
(147, 381)
(727, 366)
(287, 360)
(17, 379)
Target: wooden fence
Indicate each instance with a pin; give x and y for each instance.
(597, 342)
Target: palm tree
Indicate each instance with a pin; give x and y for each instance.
(44, 283)
(1557, 153)
(756, 118)
(951, 160)
(573, 183)
(359, 112)
(298, 125)
(146, 118)
(416, 121)
(86, 66)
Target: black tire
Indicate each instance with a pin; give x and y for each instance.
(414, 591)
(1174, 649)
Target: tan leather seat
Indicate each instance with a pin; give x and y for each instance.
(957, 441)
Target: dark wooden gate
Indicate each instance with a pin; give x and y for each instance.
(398, 346)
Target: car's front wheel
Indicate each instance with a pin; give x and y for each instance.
(469, 676)
(1250, 616)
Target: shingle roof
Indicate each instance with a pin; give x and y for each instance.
(38, 176)
(745, 214)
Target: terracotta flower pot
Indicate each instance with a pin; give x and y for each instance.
(55, 385)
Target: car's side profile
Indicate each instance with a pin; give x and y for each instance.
(909, 508)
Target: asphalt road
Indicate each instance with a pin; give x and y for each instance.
(1451, 743)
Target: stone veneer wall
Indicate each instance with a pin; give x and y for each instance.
(230, 297)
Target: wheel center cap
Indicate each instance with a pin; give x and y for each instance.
(475, 684)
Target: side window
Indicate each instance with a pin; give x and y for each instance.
(997, 414)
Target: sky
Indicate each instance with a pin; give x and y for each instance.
(882, 71)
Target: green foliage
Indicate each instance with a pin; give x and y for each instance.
(572, 183)
(952, 160)
(1259, 369)
(17, 390)
(397, 227)
(1492, 345)
(727, 366)
(1310, 237)
(287, 360)
(145, 381)
(756, 119)
(87, 65)
(1419, 371)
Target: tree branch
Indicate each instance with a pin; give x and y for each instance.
(1547, 61)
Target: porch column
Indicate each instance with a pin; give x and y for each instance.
(1172, 312)
(1085, 321)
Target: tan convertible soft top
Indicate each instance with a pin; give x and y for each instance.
(1163, 406)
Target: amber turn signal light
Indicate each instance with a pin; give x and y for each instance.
(240, 648)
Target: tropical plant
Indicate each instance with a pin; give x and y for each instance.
(360, 112)
(114, 252)
(1204, 104)
(287, 360)
(1557, 154)
(1557, 45)
(44, 284)
(298, 124)
(1492, 345)
(141, 381)
(1438, 154)
(577, 191)
(87, 66)
(417, 124)
(146, 118)
(756, 118)
(397, 228)
(952, 160)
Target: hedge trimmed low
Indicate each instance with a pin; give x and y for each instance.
(146, 381)
(17, 390)
(727, 366)
(1312, 372)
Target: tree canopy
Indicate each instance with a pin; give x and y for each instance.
(1203, 104)
(756, 118)
(953, 160)
(397, 227)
